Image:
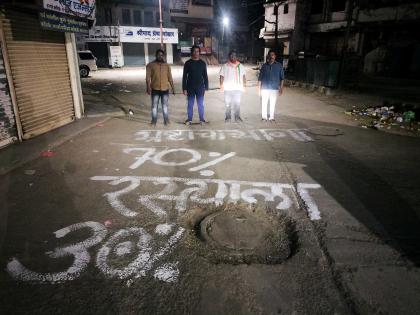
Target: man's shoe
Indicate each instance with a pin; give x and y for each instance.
(264, 119)
(187, 122)
(153, 124)
(166, 123)
(238, 119)
(202, 122)
(272, 120)
(227, 120)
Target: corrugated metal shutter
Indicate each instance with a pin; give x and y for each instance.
(38, 61)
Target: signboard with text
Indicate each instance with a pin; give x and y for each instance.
(179, 6)
(102, 34)
(129, 34)
(80, 8)
(55, 21)
(148, 35)
(116, 59)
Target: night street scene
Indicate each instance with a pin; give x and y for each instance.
(210, 157)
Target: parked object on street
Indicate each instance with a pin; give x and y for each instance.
(87, 63)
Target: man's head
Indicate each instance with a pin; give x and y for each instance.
(232, 56)
(271, 57)
(195, 52)
(160, 55)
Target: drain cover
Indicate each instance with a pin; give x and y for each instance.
(325, 131)
(242, 236)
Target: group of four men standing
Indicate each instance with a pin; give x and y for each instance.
(195, 83)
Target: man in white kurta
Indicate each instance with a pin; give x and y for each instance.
(233, 83)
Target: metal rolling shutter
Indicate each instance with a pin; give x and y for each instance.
(39, 66)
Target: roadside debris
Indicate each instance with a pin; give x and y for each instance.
(389, 116)
(29, 172)
(47, 153)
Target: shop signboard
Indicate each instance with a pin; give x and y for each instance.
(130, 34)
(80, 8)
(107, 34)
(116, 59)
(55, 21)
(179, 6)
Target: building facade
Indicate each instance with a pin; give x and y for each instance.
(29, 106)
(134, 26)
(194, 20)
(377, 38)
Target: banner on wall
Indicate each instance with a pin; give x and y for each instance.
(179, 6)
(80, 8)
(55, 21)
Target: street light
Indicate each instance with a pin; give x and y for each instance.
(225, 22)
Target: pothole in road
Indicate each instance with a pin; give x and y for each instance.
(239, 235)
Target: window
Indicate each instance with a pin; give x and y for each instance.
(338, 5)
(202, 2)
(317, 7)
(86, 56)
(286, 8)
(108, 16)
(157, 18)
(148, 18)
(137, 17)
(126, 16)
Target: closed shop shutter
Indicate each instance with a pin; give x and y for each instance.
(40, 73)
(133, 54)
(152, 51)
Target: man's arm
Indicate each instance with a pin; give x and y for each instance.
(281, 87)
(259, 79)
(244, 82)
(205, 77)
(222, 78)
(171, 81)
(148, 80)
(185, 78)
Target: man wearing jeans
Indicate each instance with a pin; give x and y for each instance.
(158, 80)
(195, 83)
(270, 84)
(232, 82)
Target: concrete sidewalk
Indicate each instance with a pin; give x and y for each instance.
(18, 154)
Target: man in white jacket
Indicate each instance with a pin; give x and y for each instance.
(233, 83)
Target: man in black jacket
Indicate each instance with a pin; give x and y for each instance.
(195, 83)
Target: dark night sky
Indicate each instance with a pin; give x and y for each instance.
(249, 12)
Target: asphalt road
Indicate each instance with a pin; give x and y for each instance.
(307, 215)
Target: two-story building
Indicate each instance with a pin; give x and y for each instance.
(194, 20)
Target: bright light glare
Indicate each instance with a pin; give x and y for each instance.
(225, 21)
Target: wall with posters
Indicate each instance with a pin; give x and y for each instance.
(8, 132)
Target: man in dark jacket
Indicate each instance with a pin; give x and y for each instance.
(270, 84)
(195, 83)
